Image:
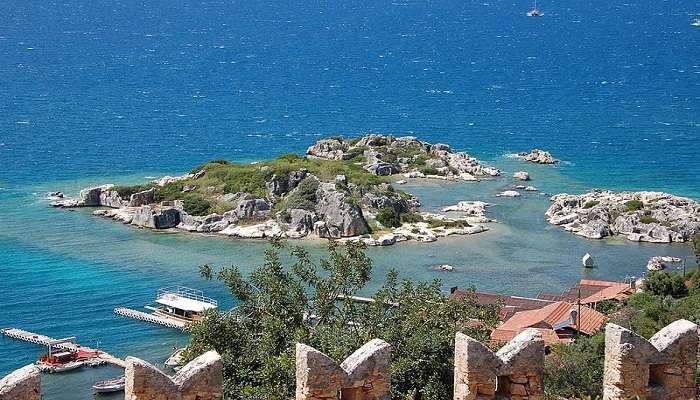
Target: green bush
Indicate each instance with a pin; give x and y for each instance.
(411, 218)
(662, 283)
(196, 204)
(633, 205)
(436, 223)
(591, 204)
(303, 197)
(125, 192)
(696, 246)
(648, 219)
(429, 171)
(388, 217)
(575, 370)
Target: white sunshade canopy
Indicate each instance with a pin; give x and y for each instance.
(182, 303)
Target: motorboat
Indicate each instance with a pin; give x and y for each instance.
(110, 385)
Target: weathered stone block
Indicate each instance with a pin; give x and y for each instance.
(514, 372)
(365, 375)
(662, 368)
(201, 379)
(22, 384)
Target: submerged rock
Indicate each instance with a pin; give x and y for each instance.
(521, 175)
(508, 193)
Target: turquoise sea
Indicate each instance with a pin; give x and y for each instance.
(96, 92)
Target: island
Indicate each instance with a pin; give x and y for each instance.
(639, 216)
(342, 189)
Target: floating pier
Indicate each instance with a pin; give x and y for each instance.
(98, 357)
(154, 319)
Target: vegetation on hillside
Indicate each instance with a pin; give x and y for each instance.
(201, 195)
(257, 339)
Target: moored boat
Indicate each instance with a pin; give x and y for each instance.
(110, 385)
(182, 304)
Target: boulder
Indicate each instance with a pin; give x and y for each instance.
(252, 209)
(156, 218)
(142, 198)
(508, 193)
(382, 168)
(342, 218)
(538, 156)
(521, 175)
(658, 263)
(281, 184)
(301, 223)
(328, 149)
(386, 240)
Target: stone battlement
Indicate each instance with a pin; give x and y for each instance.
(662, 368)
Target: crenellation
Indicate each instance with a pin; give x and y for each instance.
(514, 372)
(364, 375)
(22, 384)
(201, 379)
(662, 368)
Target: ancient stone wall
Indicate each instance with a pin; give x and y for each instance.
(23, 384)
(365, 375)
(662, 368)
(201, 379)
(514, 372)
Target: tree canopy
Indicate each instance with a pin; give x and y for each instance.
(309, 302)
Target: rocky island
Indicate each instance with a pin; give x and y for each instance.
(639, 216)
(340, 190)
(538, 156)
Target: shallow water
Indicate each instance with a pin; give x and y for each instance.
(115, 92)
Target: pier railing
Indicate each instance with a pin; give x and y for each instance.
(663, 367)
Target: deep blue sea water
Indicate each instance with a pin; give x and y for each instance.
(115, 91)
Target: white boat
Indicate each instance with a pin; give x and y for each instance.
(696, 22)
(110, 385)
(57, 368)
(175, 359)
(535, 12)
(182, 304)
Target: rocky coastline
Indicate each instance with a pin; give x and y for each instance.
(338, 191)
(654, 217)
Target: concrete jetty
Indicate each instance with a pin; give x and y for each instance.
(99, 356)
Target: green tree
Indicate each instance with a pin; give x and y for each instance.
(280, 306)
(664, 283)
(696, 246)
(576, 370)
(389, 218)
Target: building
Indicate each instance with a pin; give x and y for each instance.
(559, 322)
(509, 304)
(593, 292)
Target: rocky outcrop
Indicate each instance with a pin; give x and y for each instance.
(386, 155)
(342, 218)
(282, 184)
(329, 149)
(659, 263)
(538, 156)
(639, 216)
(521, 175)
(509, 193)
(156, 217)
(142, 198)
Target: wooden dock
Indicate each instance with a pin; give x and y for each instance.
(154, 319)
(42, 340)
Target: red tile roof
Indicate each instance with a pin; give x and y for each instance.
(592, 291)
(546, 320)
(510, 304)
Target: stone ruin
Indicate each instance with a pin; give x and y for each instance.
(201, 379)
(365, 375)
(662, 368)
(23, 384)
(514, 372)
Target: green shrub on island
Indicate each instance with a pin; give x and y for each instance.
(125, 192)
(426, 170)
(696, 246)
(196, 204)
(591, 204)
(389, 218)
(257, 339)
(633, 205)
(411, 218)
(575, 371)
(203, 193)
(303, 196)
(648, 219)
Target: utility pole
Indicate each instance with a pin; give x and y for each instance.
(578, 322)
